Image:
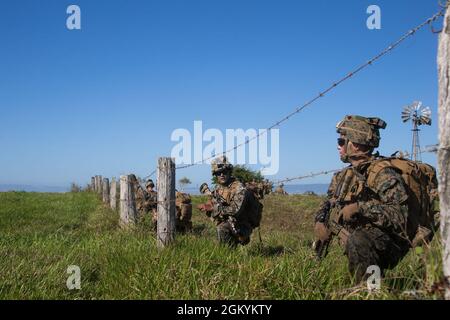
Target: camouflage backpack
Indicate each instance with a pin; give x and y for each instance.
(254, 209)
(421, 185)
(183, 206)
(182, 197)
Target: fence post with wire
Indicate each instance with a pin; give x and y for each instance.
(92, 185)
(128, 212)
(444, 145)
(113, 194)
(166, 202)
(106, 191)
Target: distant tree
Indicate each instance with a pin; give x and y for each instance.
(244, 174)
(183, 182)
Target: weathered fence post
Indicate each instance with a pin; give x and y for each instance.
(92, 187)
(100, 185)
(97, 184)
(106, 191)
(444, 145)
(128, 214)
(166, 202)
(113, 194)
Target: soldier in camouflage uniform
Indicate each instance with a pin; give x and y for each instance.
(183, 205)
(370, 220)
(280, 190)
(151, 200)
(229, 205)
(139, 196)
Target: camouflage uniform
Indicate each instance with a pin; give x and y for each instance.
(183, 221)
(377, 233)
(146, 200)
(377, 227)
(280, 190)
(230, 205)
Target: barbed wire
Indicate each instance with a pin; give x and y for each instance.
(388, 49)
(310, 175)
(428, 149)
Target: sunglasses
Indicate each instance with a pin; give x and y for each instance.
(341, 142)
(222, 173)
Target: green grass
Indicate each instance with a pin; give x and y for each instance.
(42, 234)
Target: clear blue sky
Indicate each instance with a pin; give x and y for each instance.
(105, 99)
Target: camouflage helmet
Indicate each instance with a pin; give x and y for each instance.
(149, 183)
(220, 164)
(361, 130)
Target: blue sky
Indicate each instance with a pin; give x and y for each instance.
(105, 99)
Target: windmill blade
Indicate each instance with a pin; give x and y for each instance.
(405, 117)
(406, 113)
(426, 112)
(416, 105)
(425, 116)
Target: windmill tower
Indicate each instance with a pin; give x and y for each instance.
(418, 116)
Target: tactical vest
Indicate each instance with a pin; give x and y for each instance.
(420, 183)
(252, 211)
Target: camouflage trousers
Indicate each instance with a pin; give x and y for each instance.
(372, 246)
(228, 235)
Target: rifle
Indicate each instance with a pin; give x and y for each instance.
(329, 215)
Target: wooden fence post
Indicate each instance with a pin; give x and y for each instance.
(166, 202)
(106, 191)
(100, 185)
(444, 145)
(113, 194)
(128, 214)
(95, 183)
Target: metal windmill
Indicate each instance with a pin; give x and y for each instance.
(418, 116)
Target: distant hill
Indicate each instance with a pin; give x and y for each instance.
(29, 188)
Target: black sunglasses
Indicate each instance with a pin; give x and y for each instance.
(220, 173)
(341, 142)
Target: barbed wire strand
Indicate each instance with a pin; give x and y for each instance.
(388, 49)
(433, 149)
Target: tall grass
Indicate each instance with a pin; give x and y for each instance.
(42, 234)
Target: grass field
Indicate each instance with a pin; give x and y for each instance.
(41, 234)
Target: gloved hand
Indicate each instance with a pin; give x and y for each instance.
(349, 211)
(321, 232)
(205, 207)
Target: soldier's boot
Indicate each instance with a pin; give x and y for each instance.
(244, 234)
